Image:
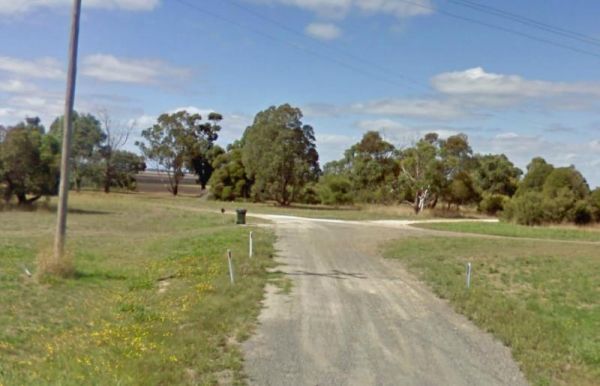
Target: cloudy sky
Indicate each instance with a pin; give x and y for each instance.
(403, 67)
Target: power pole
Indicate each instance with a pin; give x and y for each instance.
(63, 193)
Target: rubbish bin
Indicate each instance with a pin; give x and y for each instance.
(241, 216)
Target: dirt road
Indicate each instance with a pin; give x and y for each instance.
(353, 318)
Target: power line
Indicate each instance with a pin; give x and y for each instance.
(505, 29)
(329, 47)
(309, 51)
(343, 63)
(528, 21)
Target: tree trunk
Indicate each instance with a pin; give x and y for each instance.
(7, 193)
(107, 178)
(434, 202)
(24, 201)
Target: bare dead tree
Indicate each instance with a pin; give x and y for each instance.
(116, 136)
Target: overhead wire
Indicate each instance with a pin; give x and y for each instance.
(350, 55)
(528, 21)
(342, 63)
(505, 29)
(327, 46)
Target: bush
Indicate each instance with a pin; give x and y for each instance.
(526, 209)
(492, 203)
(582, 213)
(594, 201)
(309, 195)
(561, 207)
(335, 190)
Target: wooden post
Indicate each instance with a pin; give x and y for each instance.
(63, 194)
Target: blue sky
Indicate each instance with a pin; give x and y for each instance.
(404, 67)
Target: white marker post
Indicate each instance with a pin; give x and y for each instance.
(468, 275)
(250, 246)
(230, 266)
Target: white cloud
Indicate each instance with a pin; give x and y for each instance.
(340, 8)
(9, 7)
(413, 108)
(509, 135)
(143, 121)
(476, 81)
(323, 31)
(192, 110)
(125, 70)
(45, 68)
(15, 86)
(474, 93)
(313, 110)
(400, 134)
(381, 124)
(45, 105)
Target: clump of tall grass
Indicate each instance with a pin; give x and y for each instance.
(51, 265)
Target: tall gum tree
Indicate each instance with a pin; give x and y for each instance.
(174, 140)
(280, 154)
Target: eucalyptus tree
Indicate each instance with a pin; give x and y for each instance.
(174, 141)
(29, 160)
(280, 154)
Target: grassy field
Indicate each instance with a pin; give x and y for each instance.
(541, 299)
(514, 230)
(150, 303)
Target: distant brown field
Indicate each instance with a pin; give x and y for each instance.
(158, 182)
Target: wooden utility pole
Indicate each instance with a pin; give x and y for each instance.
(63, 193)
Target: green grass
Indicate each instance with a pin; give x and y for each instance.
(150, 303)
(514, 230)
(541, 299)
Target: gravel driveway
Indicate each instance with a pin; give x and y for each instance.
(353, 318)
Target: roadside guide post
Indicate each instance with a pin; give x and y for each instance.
(468, 275)
(230, 266)
(250, 246)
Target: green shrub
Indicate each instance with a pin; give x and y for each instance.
(582, 213)
(335, 190)
(526, 209)
(492, 203)
(560, 208)
(568, 178)
(309, 195)
(594, 201)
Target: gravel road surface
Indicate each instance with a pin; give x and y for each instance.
(353, 318)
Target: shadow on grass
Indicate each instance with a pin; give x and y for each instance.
(86, 211)
(98, 275)
(43, 207)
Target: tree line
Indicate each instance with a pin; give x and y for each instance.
(30, 157)
(276, 159)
